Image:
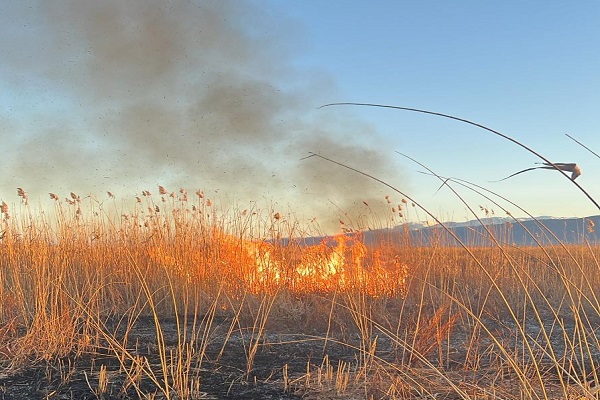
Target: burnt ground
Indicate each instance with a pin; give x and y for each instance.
(223, 373)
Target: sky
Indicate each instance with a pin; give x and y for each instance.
(224, 97)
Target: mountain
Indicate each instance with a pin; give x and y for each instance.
(483, 232)
(520, 232)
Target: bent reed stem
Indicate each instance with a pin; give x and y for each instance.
(466, 121)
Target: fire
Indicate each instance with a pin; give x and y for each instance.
(334, 260)
(340, 262)
(267, 268)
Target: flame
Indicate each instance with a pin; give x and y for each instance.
(332, 262)
(340, 262)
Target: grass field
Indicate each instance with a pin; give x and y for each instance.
(392, 319)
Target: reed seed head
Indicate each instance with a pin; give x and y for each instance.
(23, 195)
(590, 226)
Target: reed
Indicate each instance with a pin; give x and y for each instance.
(439, 318)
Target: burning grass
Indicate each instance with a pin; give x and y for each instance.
(157, 301)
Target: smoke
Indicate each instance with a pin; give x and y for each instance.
(122, 96)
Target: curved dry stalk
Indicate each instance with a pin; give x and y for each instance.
(466, 121)
(569, 167)
(582, 145)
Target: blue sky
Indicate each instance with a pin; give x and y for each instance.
(224, 96)
(527, 70)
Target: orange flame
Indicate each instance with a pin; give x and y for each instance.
(340, 262)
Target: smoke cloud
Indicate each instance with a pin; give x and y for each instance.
(122, 96)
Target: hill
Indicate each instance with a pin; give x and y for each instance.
(520, 232)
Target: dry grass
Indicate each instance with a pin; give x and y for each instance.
(423, 321)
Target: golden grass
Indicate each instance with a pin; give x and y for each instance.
(476, 322)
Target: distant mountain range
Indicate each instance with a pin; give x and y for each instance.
(485, 232)
(522, 232)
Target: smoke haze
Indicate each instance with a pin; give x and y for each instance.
(193, 94)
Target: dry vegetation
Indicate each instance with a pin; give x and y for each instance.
(390, 319)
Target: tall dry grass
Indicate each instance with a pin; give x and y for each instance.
(434, 321)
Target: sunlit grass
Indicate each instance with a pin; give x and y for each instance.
(424, 321)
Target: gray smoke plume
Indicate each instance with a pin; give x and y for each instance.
(125, 95)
